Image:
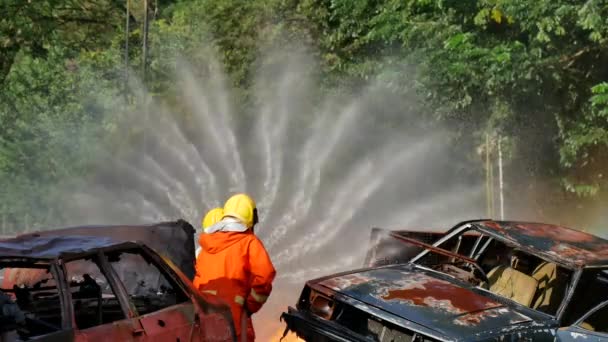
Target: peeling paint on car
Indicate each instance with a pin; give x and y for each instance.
(426, 291)
(577, 335)
(565, 245)
(344, 282)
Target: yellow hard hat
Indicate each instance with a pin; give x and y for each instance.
(213, 216)
(242, 207)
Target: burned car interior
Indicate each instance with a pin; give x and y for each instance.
(148, 288)
(502, 269)
(93, 299)
(511, 272)
(481, 280)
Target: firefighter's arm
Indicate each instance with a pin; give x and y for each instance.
(262, 275)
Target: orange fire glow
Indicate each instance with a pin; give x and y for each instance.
(291, 337)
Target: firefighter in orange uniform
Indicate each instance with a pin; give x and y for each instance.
(212, 217)
(234, 264)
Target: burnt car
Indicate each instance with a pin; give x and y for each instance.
(480, 281)
(105, 283)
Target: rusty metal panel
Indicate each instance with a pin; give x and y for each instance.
(125, 330)
(564, 245)
(175, 322)
(449, 308)
(184, 323)
(216, 328)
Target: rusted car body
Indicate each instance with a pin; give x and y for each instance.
(105, 284)
(480, 281)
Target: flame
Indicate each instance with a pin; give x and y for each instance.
(290, 337)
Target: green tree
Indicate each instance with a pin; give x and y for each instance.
(37, 26)
(52, 112)
(522, 68)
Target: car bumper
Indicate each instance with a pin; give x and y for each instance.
(312, 328)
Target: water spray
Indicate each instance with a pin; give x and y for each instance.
(324, 169)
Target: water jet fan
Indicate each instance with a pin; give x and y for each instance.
(324, 167)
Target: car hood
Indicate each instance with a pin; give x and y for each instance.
(424, 297)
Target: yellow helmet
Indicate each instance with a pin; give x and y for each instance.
(242, 207)
(212, 217)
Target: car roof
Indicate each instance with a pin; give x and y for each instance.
(560, 244)
(56, 246)
(172, 239)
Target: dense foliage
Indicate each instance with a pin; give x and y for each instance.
(533, 71)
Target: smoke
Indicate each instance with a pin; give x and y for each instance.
(325, 166)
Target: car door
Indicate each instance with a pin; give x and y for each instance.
(100, 309)
(163, 306)
(593, 326)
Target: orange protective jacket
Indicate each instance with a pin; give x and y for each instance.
(236, 267)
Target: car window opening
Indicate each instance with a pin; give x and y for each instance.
(149, 289)
(596, 321)
(592, 288)
(93, 298)
(29, 299)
